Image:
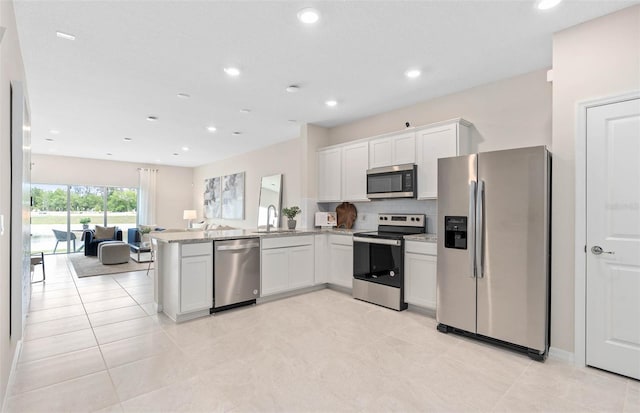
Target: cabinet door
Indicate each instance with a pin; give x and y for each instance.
(433, 143)
(275, 271)
(404, 149)
(420, 280)
(320, 259)
(341, 265)
(380, 153)
(196, 283)
(301, 267)
(329, 174)
(355, 159)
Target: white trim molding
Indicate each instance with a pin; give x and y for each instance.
(561, 355)
(580, 276)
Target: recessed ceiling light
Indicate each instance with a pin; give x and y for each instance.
(185, 148)
(183, 95)
(245, 110)
(547, 4)
(175, 154)
(49, 139)
(331, 103)
(127, 139)
(237, 133)
(158, 160)
(109, 154)
(65, 36)
(412, 73)
(232, 71)
(54, 131)
(308, 15)
(152, 118)
(292, 88)
(211, 129)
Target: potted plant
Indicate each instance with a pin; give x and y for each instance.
(291, 213)
(144, 235)
(85, 222)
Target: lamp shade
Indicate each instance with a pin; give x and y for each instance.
(189, 214)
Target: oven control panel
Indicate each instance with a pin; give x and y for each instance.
(402, 220)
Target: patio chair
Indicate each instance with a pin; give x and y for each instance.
(61, 236)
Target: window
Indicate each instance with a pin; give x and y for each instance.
(61, 212)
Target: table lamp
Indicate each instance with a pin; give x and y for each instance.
(189, 214)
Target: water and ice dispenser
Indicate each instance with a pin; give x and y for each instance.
(455, 232)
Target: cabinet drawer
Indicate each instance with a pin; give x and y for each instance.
(200, 248)
(418, 247)
(341, 239)
(283, 242)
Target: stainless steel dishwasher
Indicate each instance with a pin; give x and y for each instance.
(236, 273)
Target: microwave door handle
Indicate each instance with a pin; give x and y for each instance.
(479, 229)
(471, 228)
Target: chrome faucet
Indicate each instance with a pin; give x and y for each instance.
(275, 215)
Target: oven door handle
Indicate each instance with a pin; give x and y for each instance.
(381, 241)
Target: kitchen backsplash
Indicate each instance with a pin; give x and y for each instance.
(368, 211)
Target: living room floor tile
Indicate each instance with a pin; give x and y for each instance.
(55, 327)
(125, 329)
(54, 345)
(46, 303)
(136, 348)
(40, 373)
(87, 393)
(113, 303)
(55, 313)
(103, 295)
(113, 316)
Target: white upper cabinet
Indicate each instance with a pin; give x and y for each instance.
(329, 174)
(392, 150)
(442, 141)
(355, 161)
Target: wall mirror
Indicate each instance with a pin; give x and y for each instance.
(270, 194)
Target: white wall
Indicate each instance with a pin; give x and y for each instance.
(174, 184)
(595, 59)
(11, 69)
(282, 158)
(509, 113)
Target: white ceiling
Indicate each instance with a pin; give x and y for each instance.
(131, 58)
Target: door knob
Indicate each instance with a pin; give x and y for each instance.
(597, 250)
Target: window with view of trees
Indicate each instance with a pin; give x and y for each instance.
(60, 213)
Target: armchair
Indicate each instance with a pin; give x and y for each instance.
(91, 242)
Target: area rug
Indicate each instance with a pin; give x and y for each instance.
(90, 266)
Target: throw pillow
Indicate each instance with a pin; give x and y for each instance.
(105, 232)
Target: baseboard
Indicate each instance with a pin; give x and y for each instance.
(561, 355)
(429, 312)
(12, 374)
(291, 293)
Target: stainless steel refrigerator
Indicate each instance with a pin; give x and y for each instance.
(493, 247)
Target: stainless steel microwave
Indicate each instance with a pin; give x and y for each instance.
(399, 181)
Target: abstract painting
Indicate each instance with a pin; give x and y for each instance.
(212, 198)
(233, 196)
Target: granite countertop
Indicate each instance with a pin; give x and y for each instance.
(219, 235)
(422, 237)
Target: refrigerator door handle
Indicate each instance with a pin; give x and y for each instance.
(479, 229)
(471, 228)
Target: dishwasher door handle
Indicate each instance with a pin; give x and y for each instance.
(238, 247)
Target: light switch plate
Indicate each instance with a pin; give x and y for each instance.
(1, 224)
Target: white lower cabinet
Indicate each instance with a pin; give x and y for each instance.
(341, 260)
(287, 264)
(196, 283)
(185, 272)
(420, 274)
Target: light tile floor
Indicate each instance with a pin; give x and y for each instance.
(91, 345)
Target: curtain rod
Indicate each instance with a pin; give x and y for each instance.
(148, 169)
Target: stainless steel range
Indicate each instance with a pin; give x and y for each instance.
(378, 259)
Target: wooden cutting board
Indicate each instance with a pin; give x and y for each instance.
(346, 215)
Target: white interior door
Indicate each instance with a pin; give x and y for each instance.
(613, 238)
